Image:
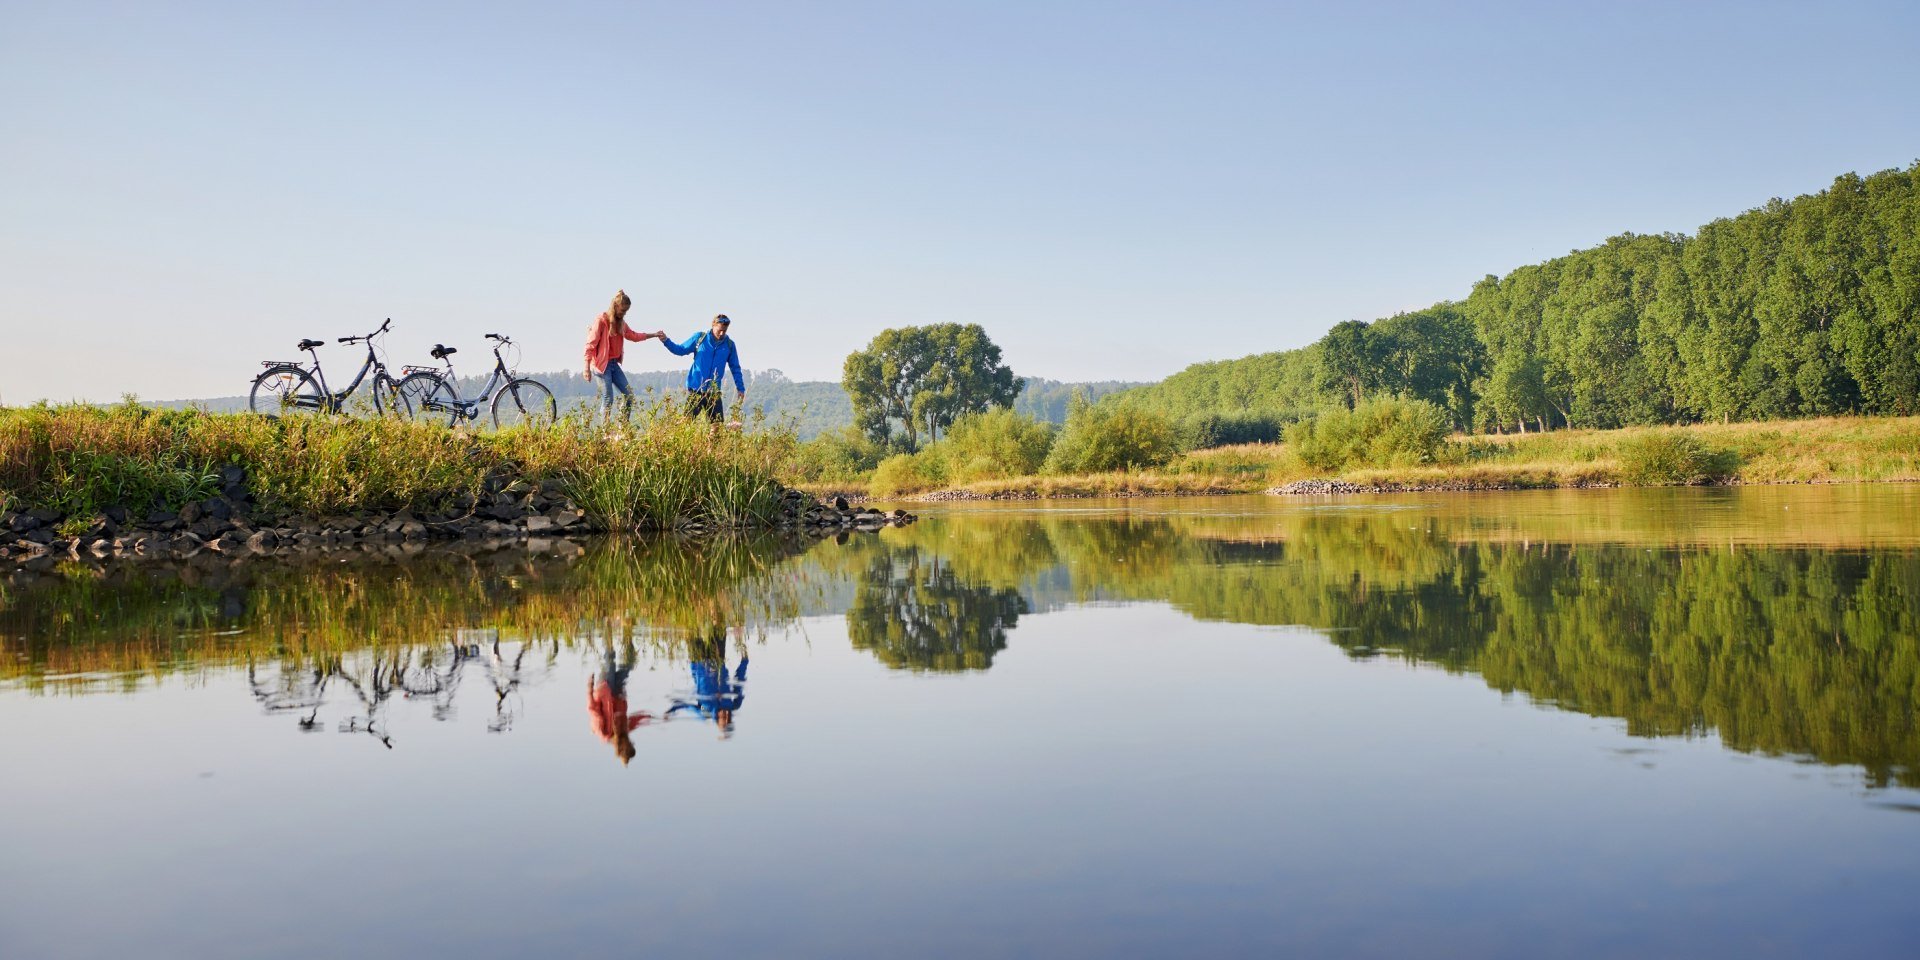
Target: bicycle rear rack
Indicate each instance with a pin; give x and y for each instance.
(279, 363)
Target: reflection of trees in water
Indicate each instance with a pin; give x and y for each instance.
(914, 612)
(1794, 651)
(1809, 652)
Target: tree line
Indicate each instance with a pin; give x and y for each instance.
(1801, 307)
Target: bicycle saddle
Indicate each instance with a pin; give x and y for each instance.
(310, 344)
(441, 351)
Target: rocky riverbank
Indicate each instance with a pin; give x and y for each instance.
(507, 509)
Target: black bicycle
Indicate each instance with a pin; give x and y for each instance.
(288, 388)
(512, 400)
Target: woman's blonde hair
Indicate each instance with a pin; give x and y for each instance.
(617, 309)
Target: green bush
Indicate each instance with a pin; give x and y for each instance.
(1101, 439)
(1202, 431)
(905, 473)
(836, 456)
(994, 445)
(1377, 433)
(1665, 458)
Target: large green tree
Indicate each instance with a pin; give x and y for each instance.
(911, 383)
(1350, 360)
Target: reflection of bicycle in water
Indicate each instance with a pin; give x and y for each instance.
(303, 689)
(430, 674)
(506, 676)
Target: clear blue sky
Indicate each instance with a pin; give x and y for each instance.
(1114, 190)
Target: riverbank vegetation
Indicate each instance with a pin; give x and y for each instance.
(657, 471)
(1390, 445)
(1808, 308)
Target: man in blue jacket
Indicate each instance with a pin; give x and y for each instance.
(712, 351)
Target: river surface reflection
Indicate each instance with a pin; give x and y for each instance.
(1596, 723)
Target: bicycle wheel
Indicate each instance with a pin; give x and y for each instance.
(425, 397)
(524, 403)
(387, 401)
(286, 390)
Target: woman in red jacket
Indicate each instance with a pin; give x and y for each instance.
(606, 348)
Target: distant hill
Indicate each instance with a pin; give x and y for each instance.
(814, 406)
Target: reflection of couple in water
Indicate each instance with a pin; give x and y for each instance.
(716, 692)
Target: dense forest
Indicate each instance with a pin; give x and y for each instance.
(1801, 307)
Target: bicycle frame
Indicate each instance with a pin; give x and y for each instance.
(337, 400)
(469, 409)
(332, 401)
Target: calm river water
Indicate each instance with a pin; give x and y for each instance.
(1669, 723)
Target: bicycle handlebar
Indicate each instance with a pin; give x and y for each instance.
(370, 336)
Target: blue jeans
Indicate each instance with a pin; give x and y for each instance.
(616, 380)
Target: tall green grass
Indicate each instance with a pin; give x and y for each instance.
(657, 471)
